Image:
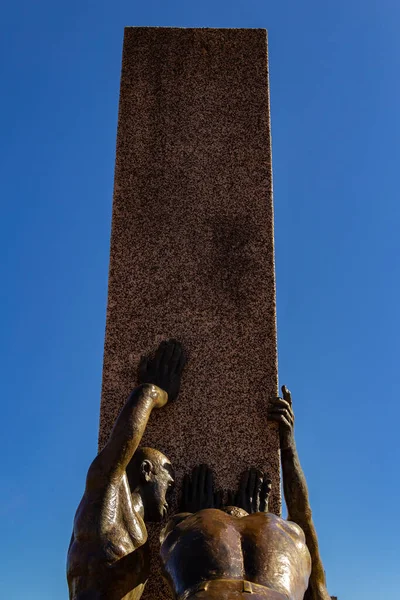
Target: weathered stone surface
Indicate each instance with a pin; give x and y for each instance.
(192, 245)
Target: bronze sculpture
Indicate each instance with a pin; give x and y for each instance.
(212, 549)
(225, 553)
(108, 556)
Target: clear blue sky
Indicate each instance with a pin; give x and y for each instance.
(335, 93)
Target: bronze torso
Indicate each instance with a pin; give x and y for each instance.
(108, 548)
(108, 557)
(260, 548)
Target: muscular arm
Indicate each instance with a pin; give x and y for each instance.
(296, 492)
(127, 432)
(299, 511)
(108, 552)
(160, 376)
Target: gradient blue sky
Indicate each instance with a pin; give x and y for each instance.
(335, 95)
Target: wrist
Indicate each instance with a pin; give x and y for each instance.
(159, 396)
(287, 441)
(156, 395)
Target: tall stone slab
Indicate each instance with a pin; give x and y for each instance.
(192, 248)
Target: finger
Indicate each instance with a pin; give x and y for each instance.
(251, 485)
(257, 490)
(286, 394)
(242, 501)
(143, 364)
(236, 501)
(195, 482)
(210, 488)
(273, 414)
(230, 498)
(159, 354)
(244, 480)
(181, 362)
(276, 410)
(264, 494)
(218, 499)
(176, 355)
(168, 352)
(281, 419)
(242, 493)
(279, 403)
(185, 493)
(267, 480)
(202, 480)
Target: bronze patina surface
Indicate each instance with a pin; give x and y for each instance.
(221, 545)
(108, 557)
(223, 550)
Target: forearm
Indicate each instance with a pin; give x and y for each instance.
(129, 427)
(299, 511)
(295, 489)
(294, 484)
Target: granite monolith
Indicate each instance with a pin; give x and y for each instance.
(192, 246)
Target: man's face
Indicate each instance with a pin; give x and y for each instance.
(158, 491)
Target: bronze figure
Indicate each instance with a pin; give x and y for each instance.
(108, 557)
(215, 548)
(215, 552)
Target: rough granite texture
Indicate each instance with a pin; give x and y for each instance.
(192, 253)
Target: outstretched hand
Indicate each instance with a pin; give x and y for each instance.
(164, 368)
(253, 493)
(281, 411)
(198, 491)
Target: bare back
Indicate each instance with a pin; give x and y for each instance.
(260, 548)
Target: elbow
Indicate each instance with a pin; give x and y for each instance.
(97, 472)
(307, 512)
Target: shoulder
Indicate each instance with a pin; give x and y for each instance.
(96, 510)
(99, 477)
(274, 521)
(296, 529)
(172, 523)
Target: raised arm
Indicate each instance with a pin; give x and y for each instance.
(159, 378)
(296, 492)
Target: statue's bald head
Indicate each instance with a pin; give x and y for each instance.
(150, 474)
(235, 511)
